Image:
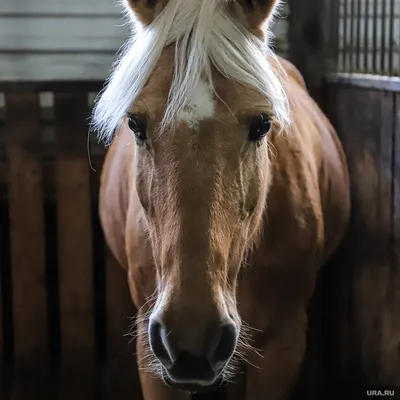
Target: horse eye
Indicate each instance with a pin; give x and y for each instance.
(137, 124)
(259, 127)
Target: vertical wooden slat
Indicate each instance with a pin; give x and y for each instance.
(386, 170)
(388, 362)
(1, 322)
(121, 359)
(6, 297)
(74, 231)
(366, 290)
(3, 260)
(393, 323)
(373, 258)
(396, 203)
(27, 228)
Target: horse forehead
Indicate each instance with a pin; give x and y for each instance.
(200, 104)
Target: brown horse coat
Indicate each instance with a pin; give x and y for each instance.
(304, 221)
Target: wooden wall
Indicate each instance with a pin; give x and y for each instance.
(65, 307)
(46, 40)
(361, 288)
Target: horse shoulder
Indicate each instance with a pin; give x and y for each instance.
(334, 186)
(323, 157)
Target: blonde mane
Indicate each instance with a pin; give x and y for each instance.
(205, 35)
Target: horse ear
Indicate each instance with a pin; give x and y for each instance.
(144, 10)
(254, 13)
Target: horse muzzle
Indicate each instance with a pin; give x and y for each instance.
(194, 369)
(201, 387)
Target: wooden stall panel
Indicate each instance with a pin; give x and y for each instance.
(1, 325)
(392, 317)
(74, 232)
(25, 191)
(121, 375)
(1, 309)
(362, 301)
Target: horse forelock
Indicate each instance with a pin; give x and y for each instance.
(205, 35)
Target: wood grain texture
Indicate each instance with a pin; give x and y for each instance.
(122, 375)
(55, 67)
(366, 301)
(60, 34)
(60, 7)
(25, 191)
(66, 168)
(74, 231)
(391, 331)
(1, 317)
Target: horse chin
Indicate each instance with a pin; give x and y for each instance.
(193, 387)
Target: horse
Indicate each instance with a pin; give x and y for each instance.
(223, 193)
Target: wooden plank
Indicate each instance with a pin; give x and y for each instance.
(3, 258)
(391, 319)
(364, 119)
(388, 365)
(48, 171)
(371, 82)
(121, 349)
(6, 329)
(367, 158)
(396, 186)
(55, 67)
(1, 318)
(27, 229)
(59, 7)
(91, 85)
(52, 34)
(74, 231)
(32, 384)
(341, 355)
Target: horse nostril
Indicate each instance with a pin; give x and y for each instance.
(157, 335)
(186, 364)
(225, 344)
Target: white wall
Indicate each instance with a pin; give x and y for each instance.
(63, 39)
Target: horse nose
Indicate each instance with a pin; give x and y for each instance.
(223, 344)
(200, 365)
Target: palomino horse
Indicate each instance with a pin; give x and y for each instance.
(223, 193)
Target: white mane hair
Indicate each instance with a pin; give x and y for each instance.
(204, 34)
